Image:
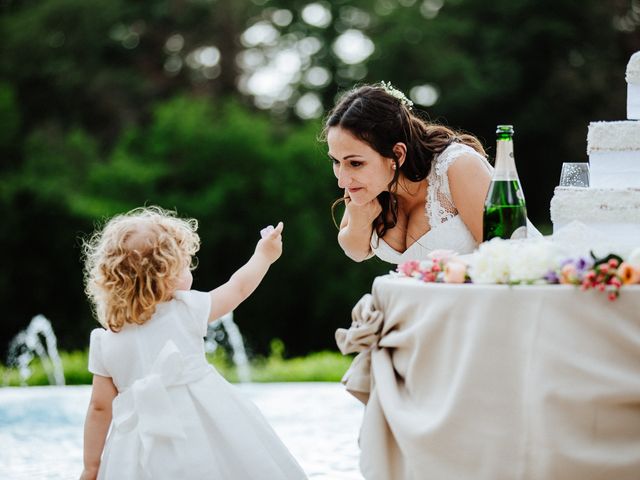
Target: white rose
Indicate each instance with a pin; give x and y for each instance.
(531, 261)
(504, 261)
(490, 263)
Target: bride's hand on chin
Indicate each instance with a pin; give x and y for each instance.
(362, 216)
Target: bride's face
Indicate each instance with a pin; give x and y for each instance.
(361, 171)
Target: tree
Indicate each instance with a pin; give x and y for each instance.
(107, 105)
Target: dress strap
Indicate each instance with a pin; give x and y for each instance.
(450, 154)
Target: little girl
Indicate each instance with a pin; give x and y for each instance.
(172, 416)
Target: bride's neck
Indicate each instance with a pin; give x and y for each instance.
(410, 193)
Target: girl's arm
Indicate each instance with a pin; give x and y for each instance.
(96, 424)
(356, 229)
(243, 282)
(469, 180)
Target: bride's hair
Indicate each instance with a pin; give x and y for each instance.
(382, 117)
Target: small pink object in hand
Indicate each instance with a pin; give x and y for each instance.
(266, 231)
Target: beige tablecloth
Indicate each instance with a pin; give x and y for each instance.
(496, 382)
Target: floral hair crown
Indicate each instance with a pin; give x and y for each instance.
(394, 92)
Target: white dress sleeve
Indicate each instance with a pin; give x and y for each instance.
(440, 207)
(96, 361)
(198, 307)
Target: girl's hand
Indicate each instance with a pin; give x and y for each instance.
(362, 216)
(271, 244)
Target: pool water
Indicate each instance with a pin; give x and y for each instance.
(41, 428)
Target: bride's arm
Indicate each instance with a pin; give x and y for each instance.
(356, 228)
(469, 180)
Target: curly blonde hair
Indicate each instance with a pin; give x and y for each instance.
(134, 262)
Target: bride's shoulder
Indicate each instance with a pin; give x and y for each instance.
(455, 152)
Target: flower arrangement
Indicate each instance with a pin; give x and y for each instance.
(513, 262)
(527, 262)
(440, 266)
(606, 274)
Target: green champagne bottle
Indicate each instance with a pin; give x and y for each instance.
(505, 211)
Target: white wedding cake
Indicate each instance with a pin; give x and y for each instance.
(606, 216)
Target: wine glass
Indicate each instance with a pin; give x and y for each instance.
(574, 175)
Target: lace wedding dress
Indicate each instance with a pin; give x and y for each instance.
(448, 231)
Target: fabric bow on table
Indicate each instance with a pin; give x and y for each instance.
(362, 337)
(146, 405)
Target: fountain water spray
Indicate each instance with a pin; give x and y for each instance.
(214, 336)
(29, 342)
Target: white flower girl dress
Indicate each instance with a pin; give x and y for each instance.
(174, 416)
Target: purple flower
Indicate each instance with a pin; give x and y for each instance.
(552, 277)
(580, 266)
(583, 264)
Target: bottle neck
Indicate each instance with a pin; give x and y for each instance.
(505, 167)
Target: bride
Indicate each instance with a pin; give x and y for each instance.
(410, 187)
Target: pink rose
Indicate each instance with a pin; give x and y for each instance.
(409, 268)
(455, 272)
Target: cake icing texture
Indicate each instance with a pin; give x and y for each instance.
(613, 136)
(633, 69)
(599, 220)
(595, 205)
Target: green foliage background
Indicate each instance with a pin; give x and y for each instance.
(91, 125)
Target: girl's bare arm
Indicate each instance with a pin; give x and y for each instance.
(96, 424)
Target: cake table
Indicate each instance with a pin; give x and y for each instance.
(496, 382)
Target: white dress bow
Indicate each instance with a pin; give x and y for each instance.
(146, 406)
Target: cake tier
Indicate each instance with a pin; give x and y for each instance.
(614, 169)
(614, 154)
(614, 136)
(602, 220)
(595, 206)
